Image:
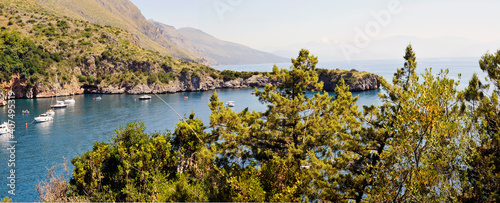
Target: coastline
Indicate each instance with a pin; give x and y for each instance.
(181, 84)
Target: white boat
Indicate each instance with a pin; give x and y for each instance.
(97, 98)
(70, 100)
(144, 97)
(59, 104)
(43, 118)
(5, 128)
(230, 103)
(50, 112)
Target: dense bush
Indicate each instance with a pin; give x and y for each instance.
(82, 78)
(125, 169)
(322, 71)
(214, 75)
(21, 55)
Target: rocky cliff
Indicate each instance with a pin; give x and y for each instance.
(203, 83)
(182, 84)
(370, 82)
(23, 90)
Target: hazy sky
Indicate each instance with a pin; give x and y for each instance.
(278, 24)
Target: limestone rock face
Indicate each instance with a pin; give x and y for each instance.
(362, 84)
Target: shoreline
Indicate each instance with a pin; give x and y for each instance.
(181, 84)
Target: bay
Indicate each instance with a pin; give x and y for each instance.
(76, 128)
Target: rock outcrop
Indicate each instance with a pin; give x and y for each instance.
(23, 90)
(362, 84)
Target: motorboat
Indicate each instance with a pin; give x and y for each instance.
(59, 104)
(71, 100)
(5, 128)
(43, 118)
(26, 111)
(230, 103)
(97, 98)
(144, 97)
(50, 112)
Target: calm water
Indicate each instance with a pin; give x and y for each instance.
(76, 128)
(387, 68)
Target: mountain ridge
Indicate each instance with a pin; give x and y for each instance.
(227, 53)
(152, 35)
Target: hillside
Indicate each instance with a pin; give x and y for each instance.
(122, 14)
(227, 52)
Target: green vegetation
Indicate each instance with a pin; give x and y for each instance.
(231, 75)
(427, 142)
(20, 55)
(482, 178)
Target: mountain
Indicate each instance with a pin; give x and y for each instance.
(226, 53)
(157, 36)
(122, 14)
(171, 34)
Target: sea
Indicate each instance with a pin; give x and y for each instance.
(74, 130)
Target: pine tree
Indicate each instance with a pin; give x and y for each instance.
(281, 140)
(403, 150)
(483, 174)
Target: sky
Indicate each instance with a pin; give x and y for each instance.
(353, 29)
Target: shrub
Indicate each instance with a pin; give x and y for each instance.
(87, 34)
(82, 78)
(165, 78)
(152, 78)
(90, 79)
(214, 75)
(62, 24)
(322, 71)
(85, 43)
(185, 71)
(350, 80)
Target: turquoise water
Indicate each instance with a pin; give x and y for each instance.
(76, 128)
